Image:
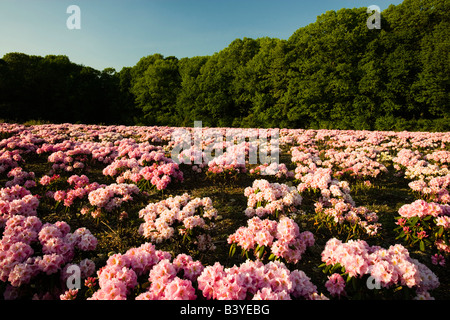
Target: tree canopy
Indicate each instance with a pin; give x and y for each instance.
(333, 73)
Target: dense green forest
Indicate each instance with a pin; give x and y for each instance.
(335, 73)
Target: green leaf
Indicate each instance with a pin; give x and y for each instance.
(327, 268)
(261, 251)
(349, 278)
(335, 267)
(422, 245)
(232, 250)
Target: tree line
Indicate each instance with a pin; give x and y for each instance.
(335, 73)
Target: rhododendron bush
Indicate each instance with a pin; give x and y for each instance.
(91, 212)
(266, 198)
(277, 241)
(179, 216)
(343, 219)
(425, 225)
(391, 270)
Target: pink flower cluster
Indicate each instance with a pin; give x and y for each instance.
(307, 159)
(9, 159)
(119, 277)
(73, 154)
(112, 196)
(356, 163)
(421, 208)
(143, 162)
(439, 156)
(65, 161)
(264, 198)
(274, 169)
(20, 177)
(23, 141)
(230, 161)
(82, 188)
(233, 160)
(283, 238)
(16, 200)
(435, 189)
(163, 217)
(167, 285)
(46, 180)
(322, 180)
(416, 167)
(58, 245)
(389, 267)
(343, 212)
(439, 226)
(256, 280)
(335, 285)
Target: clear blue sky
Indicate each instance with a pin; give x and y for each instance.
(117, 33)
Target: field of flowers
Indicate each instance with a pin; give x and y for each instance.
(342, 215)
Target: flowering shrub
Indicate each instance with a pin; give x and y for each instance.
(274, 240)
(9, 159)
(359, 164)
(256, 280)
(47, 172)
(20, 177)
(439, 156)
(425, 225)
(16, 200)
(264, 198)
(79, 188)
(112, 196)
(306, 159)
(144, 165)
(47, 181)
(391, 271)
(227, 163)
(230, 163)
(20, 268)
(415, 165)
(343, 219)
(433, 190)
(321, 181)
(274, 169)
(180, 215)
(118, 279)
(68, 161)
